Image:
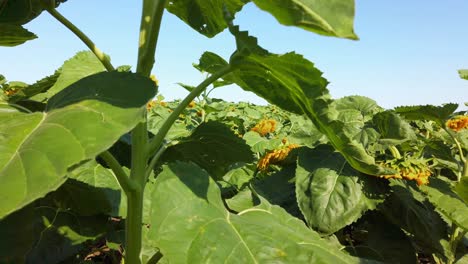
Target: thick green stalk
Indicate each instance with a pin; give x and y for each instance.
(157, 141)
(125, 183)
(460, 151)
(149, 30)
(87, 41)
(134, 220)
(133, 227)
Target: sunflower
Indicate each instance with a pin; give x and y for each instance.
(409, 169)
(275, 156)
(264, 127)
(458, 123)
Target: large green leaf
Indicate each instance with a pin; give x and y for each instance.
(330, 18)
(13, 35)
(42, 233)
(19, 12)
(356, 112)
(194, 226)
(37, 150)
(213, 146)
(407, 209)
(279, 189)
(205, 17)
(330, 193)
(83, 64)
(441, 195)
(437, 114)
(294, 84)
(364, 106)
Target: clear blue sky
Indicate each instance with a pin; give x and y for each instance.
(408, 52)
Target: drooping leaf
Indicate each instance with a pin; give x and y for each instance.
(212, 146)
(187, 87)
(294, 84)
(407, 209)
(194, 226)
(81, 121)
(40, 86)
(392, 128)
(440, 194)
(83, 64)
(330, 193)
(210, 62)
(206, 17)
(14, 35)
(330, 18)
(437, 114)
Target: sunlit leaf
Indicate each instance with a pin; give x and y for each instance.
(294, 84)
(441, 195)
(463, 74)
(81, 121)
(437, 114)
(330, 193)
(213, 146)
(14, 35)
(194, 226)
(206, 17)
(83, 64)
(330, 18)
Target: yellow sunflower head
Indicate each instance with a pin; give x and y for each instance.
(265, 126)
(457, 123)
